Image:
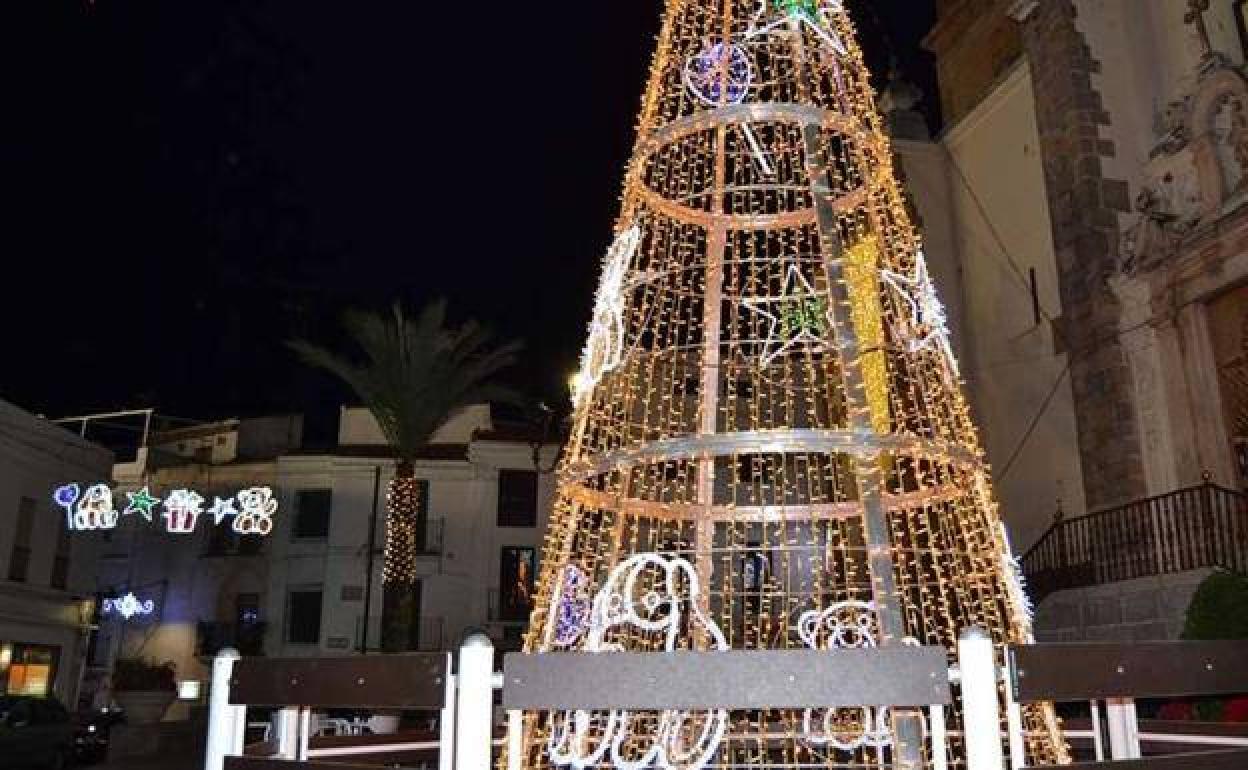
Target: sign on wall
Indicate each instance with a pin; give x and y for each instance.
(250, 511)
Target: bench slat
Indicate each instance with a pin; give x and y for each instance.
(416, 681)
(1070, 672)
(734, 679)
(256, 763)
(1203, 760)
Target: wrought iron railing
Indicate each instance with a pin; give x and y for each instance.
(1201, 526)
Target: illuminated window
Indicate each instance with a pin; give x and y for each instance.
(32, 670)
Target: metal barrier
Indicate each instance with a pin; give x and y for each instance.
(899, 677)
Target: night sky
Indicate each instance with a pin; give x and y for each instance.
(187, 184)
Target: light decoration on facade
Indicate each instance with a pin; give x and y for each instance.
(92, 509)
(251, 510)
(786, 390)
(128, 606)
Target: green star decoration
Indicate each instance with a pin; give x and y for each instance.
(142, 503)
(807, 8)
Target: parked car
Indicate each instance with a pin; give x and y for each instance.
(91, 734)
(35, 733)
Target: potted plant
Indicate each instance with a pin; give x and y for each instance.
(144, 689)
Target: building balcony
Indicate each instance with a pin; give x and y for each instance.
(247, 638)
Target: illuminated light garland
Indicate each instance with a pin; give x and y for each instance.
(183, 508)
(815, 15)
(796, 459)
(95, 509)
(141, 503)
(399, 565)
(65, 496)
(252, 509)
(605, 349)
(926, 326)
(128, 606)
(797, 318)
(256, 509)
(720, 74)
(682, 739)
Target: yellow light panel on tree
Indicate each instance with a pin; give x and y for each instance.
(770, 447)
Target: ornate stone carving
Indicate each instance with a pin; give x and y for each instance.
(1168, 208)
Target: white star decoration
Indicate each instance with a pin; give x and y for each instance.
(927, 327)
(221, 509)
(783, 333)
(819, 22)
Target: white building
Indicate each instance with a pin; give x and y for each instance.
(487, 491)
(1086, 217)
(45, 586)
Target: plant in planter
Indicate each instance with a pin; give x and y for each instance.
(144, 689)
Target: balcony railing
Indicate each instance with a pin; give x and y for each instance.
(1193, 528)
(247, 638)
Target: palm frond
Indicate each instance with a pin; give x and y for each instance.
(413, 374)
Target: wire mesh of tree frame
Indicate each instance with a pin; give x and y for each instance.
(770, 446)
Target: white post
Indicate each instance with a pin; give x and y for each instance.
(515, 739)
(1124, 728)
(286, 732)
(305, 734)
(980, 705)
(226, 723)
(446, 723)
(474, 723)
(940, 740)
(1014, 720)
(1098, 742)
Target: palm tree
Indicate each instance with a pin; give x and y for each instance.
(413, 375)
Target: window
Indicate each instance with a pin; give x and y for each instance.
(517, 498)
(312, 508)
(303, 616)
(60, 560)
(32, 671)
(19, 559)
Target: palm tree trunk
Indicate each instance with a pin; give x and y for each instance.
(400, 613)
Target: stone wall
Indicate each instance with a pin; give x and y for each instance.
(1084, 206)
(1147, 609)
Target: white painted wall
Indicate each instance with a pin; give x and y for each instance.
(36, 457)
(455, 583)
(997, 190)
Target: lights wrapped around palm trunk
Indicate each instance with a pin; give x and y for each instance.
(400, 555)
(770, 448)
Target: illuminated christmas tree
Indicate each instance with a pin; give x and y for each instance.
(770, 446)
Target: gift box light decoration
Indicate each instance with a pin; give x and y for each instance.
(770, 447)
(250, 511)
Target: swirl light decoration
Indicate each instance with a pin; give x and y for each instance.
(784, 405)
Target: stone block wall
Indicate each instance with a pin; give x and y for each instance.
(1084, 206)
(1143, 610)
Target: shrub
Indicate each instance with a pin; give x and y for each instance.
(1219, 609)
(138, 675)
